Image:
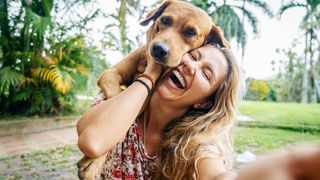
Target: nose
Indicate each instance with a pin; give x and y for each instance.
(159, 51)
(189, 66)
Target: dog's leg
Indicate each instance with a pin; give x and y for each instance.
(122, 73)
(89, 169)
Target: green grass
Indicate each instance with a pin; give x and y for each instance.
(77, 110)
(286, 113)
(261, 140)
(57, 163)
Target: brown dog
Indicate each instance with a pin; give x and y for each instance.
(178, 28)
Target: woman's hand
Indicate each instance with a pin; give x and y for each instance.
(153, 69)
(302, 162)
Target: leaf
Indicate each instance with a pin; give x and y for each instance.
(9, 77)
(60, 80)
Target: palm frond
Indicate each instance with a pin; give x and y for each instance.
(262, 5)
(313, 4)
(24, 95)
(60, 80)
(9, 77)
(253, 20)
(81, 69)
(36, 25)
(47, 6)
(28, 81)
(290, 5)
(225, 17)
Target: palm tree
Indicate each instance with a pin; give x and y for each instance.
(311, 14)
(227, 15)
(123, 43)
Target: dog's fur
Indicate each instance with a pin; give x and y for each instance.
(183, 17)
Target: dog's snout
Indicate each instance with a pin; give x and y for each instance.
(159, 51)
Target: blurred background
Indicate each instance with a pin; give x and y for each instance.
(53, 51)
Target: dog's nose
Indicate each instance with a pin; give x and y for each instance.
(159, 51)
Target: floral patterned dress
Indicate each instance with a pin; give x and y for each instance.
(129, 159)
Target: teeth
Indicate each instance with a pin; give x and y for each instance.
(178, 75)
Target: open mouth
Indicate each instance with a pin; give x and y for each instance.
(178, 80)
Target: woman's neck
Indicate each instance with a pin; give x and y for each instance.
(161, 113)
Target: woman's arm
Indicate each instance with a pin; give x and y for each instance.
(105, 124)
(211, 168)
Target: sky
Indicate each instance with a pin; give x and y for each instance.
(260, 50)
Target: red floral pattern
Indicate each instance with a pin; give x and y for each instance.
(128, 160)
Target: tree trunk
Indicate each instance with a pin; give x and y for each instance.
(304, 92)
(124, 48)
(312, 69)
(242, 44)
(314, 75)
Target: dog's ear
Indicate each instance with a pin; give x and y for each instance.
(216, 37)
(154, 14)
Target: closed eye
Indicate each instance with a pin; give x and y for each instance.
(192, 56)
(205, 74)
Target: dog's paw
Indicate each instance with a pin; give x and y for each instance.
(89, 169)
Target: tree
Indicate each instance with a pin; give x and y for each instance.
(227, 15)
(257, 89)
(289, 77)
(312, 14)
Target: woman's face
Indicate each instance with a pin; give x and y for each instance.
(200, 74)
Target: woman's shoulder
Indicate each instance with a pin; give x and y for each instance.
(208, 150)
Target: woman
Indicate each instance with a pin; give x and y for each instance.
(184, 130)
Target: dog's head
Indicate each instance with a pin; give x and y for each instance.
(178, 28)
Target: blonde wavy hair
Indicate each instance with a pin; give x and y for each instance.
(178, 150)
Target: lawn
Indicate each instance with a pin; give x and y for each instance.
(287, 113)
(276, 125)
(262, 140)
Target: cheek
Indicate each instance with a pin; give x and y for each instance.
(200, 88)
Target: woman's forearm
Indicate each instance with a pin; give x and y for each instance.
(105, 124)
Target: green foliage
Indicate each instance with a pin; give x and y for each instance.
(257, 89)
(41, 69)
(287, 84)
(230, 16)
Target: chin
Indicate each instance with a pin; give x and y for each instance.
(165, 91)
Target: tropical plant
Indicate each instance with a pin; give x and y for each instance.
(312, 14)
(230, 16)
(41, 68)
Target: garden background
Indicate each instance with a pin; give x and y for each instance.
(53, 51)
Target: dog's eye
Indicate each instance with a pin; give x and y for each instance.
(166, 21)
(189, 33)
